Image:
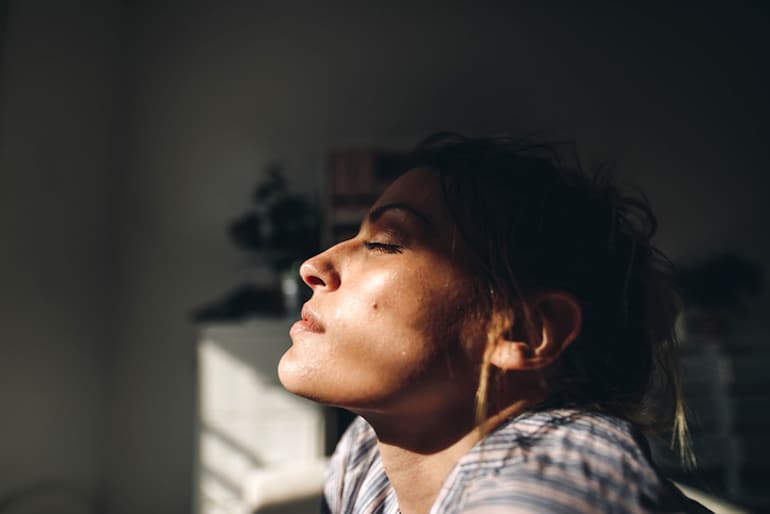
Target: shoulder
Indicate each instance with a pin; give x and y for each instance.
(561, 461)
(568, 438)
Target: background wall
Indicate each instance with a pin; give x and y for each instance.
(134, 131)
(57, 156)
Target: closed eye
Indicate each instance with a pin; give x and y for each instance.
(383, 247)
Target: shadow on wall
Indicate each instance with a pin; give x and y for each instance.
(48, 496)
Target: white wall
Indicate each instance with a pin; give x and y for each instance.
(678, 100)
(56, 229)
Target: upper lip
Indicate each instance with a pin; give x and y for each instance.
(311, 319)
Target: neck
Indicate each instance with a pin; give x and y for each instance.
(418, 459)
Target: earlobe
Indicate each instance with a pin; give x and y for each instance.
(560, 318)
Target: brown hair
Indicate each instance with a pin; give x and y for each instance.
(534, 224)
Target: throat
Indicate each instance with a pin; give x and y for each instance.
(419, 454)
(419, 451)
(417, 478)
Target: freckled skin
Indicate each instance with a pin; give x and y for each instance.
(391, 321)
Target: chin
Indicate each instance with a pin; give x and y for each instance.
(298, 379)
(290, 374)
(304, 383)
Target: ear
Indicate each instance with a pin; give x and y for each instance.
(560, 319)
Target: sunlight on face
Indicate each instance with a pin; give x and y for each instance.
(381, 332)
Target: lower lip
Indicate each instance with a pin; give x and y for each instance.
(303, 326)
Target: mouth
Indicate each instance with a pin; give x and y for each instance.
(308, 323)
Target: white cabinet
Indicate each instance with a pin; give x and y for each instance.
(257, 443)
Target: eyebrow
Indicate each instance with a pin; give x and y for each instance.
(382, 209)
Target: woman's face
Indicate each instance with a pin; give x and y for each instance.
(385, 330)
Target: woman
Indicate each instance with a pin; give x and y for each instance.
(503, 328)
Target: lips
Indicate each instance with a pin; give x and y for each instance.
(308, 323)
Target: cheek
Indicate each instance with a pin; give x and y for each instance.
(384, 318)
(387, 294)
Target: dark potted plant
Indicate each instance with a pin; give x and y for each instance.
(279, 231)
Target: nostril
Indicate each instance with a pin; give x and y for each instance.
(312, 280)
(319, 272)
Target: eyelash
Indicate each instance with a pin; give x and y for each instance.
(382, 247)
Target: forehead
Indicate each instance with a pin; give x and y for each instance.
(420, 189)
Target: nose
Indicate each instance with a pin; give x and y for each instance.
(320, 273)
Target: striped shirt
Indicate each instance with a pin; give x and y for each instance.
(557, 461)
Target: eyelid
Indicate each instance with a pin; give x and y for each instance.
(386, 233)
(384, 238)
(383, 247)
